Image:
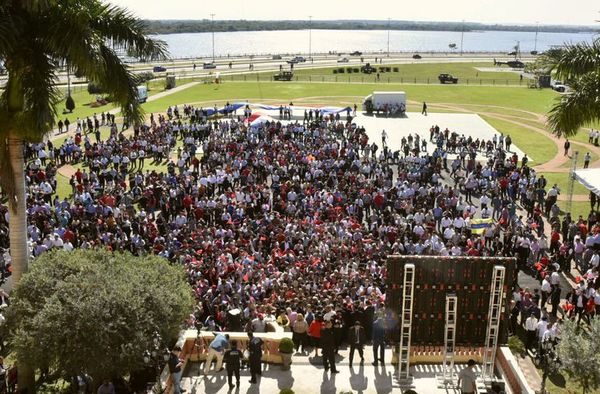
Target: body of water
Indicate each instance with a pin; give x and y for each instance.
(297, 41)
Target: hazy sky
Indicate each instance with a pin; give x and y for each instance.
(575, 12)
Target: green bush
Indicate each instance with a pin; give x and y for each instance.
(341, 70)
(70, 104)
(94, 88)
(145, 77)
(516, 345)
(286, 345)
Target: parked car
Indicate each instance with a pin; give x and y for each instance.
(447, 78)
(513, 53)
(417, 56)
(159, 69)
(299, 59)
(276, 57)
(343, 60)
(558, 86)
(209, 66)
(356, 53)
(283, 76)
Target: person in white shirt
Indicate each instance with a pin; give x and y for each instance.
(531, 330)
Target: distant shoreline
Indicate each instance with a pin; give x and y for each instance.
(206, 26)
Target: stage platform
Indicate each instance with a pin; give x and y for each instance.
(415, 123)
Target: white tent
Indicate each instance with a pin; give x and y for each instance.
(590, 178)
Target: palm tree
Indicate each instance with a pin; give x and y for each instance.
(36, 36)
(579, 65)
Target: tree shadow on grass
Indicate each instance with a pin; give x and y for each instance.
(558, 380)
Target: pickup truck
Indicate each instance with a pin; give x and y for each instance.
(447, 78)
(558, 86)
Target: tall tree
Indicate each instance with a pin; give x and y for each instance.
(35, 37)
(95, 312)
(579, 66)
(579, 352)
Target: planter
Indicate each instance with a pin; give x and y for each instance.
(286, 360)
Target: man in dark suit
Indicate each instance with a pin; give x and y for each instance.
(255, 346)
(232, 361)
(378, 339)
(328, 346)
(357, 339)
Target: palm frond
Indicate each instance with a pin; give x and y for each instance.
(578, 59)
(578, 108)
(126, 31)
(7, 29)
(40, 92)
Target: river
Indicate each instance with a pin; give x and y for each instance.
(185, 45)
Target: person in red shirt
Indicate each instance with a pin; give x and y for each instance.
(314, 332)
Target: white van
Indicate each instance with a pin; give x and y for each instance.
(142, 94)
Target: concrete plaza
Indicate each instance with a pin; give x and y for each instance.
(307, 376)
(416, 123)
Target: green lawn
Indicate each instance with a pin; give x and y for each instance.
(510, 97)
(582, 152)
(542, 151)
(562, 180)
(466, 72)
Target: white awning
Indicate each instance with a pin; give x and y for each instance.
(590, 178)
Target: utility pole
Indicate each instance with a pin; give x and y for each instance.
(388, 41)
(537, 29)
(462, 36)
(310, 37)
(212, 26)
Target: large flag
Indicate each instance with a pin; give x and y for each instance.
(478, 226)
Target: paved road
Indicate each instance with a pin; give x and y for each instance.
(184, 68)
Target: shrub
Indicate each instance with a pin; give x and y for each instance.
(94, 88)
(286, 345)
(341, 70)
(516, 346)
(286, 391)
(145, 77)
(70, 104)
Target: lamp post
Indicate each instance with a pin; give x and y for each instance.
(310, 38)
(462, 36)
(537, 29)
(156, 358)
(388, 39)
(212, 27)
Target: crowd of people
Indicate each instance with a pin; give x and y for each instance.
(288, 225)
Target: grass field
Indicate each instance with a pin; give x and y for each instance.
(542, 151)
(519, 98)
(426, 73)
(562, 180)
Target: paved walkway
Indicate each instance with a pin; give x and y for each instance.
(53, 135)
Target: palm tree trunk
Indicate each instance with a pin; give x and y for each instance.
(18, 215)
(19, 250)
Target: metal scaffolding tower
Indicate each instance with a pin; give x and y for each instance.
(449, 338)
(406, 321)
(571, 185)
(493, 328)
